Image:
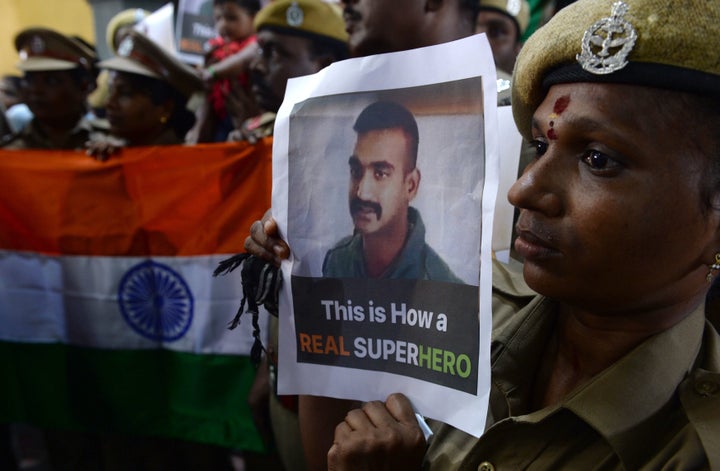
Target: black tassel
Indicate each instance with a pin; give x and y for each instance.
(261, 285)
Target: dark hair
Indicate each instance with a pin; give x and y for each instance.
(252, 6)
(159, 91)
(389, 115)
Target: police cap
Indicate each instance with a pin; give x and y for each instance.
(303, 18)
(43, 49)
(652, 43)
(138, 54)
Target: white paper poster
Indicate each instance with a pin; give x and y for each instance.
(384, 184)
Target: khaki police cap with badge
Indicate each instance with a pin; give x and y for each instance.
(303, 17)
(518, 10)
(43, 49)
(138, 54)
(655, 43)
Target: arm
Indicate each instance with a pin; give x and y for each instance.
(231, 66)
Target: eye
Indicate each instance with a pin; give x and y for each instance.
(381, 174)
(354, 172)
(540, 147)
(600, 162)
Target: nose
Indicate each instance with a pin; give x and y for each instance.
(539, 188)
(257, 66)
(365, 187)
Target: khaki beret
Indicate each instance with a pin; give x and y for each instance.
(42, 49)
(128, 17)
(303, 17)
(138, 54)
(518, 10)
(655, 43)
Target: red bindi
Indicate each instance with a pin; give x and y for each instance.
(561, 104)
(552, 134)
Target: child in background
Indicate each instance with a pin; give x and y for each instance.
(234, 24)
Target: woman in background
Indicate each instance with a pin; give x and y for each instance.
(147, 97)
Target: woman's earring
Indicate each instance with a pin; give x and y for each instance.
(714, 266)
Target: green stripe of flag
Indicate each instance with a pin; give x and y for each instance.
(155, 392)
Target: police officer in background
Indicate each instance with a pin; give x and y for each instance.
(295, 39)
(58, 74)
(504, 22)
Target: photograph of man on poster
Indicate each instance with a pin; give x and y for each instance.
(389, 235)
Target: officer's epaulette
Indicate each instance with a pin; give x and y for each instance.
(8, 139)
(100, 124)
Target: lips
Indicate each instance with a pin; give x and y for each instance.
(534, 241)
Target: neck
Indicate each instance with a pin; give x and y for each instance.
(57, 130)
(146, 138)
(587, 343)
(381, 249)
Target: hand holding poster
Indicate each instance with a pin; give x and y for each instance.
(384, 185)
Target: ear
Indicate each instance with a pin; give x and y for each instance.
(412, 182)
(167, 108)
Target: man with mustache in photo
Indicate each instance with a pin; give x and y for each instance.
(389, 236)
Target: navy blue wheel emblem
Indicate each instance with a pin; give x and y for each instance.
(155, 301)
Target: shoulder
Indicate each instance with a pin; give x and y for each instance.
(19, 140)
(436, 268)
(700, 396)
(343, 257)
(260, 126)
(343, 247)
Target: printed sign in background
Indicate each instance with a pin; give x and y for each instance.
(195, 26)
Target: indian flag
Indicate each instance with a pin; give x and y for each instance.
(110, 319)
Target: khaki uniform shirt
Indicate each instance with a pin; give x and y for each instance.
(32, 137)
(656, 408)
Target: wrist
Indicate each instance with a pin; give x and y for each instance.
(211, 72)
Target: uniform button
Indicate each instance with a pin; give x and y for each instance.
(486, 466)
(706, 388)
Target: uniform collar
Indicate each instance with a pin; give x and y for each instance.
(617, 400)
(640, 384)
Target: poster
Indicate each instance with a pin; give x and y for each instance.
(384, 182)
(195, 26)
